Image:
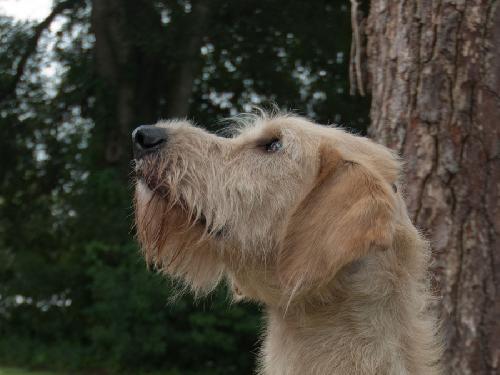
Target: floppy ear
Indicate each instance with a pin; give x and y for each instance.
(348, 213)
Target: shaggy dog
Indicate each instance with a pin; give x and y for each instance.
(307, 220)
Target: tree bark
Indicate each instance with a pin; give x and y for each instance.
(434, 74)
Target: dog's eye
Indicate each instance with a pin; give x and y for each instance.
(273, 146)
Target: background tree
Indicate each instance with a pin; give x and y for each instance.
(434, 72)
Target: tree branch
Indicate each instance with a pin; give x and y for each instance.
(31, 47)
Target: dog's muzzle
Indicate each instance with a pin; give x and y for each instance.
(147, 139)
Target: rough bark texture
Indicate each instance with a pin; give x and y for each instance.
(434, 73)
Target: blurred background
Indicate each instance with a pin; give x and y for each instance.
(75, 77)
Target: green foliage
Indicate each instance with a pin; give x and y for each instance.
(131, 323)
(74, 291)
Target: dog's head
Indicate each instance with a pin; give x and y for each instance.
(281, 206)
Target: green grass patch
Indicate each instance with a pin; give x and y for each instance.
(19, 371)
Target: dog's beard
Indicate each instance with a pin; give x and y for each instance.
(173, 237)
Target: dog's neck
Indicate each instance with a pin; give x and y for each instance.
(372, 320)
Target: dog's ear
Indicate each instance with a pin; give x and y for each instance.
(348, 213)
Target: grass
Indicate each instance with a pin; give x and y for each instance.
(18, 371)
(21, 371)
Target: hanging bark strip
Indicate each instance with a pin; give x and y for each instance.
(355, 69)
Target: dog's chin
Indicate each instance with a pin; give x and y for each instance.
(164, 230)
(152, 197)
(174, 244)
(174, 214)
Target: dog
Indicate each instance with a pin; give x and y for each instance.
(307, 220)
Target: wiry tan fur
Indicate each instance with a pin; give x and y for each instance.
(317, 232)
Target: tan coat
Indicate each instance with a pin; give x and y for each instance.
(307, 220)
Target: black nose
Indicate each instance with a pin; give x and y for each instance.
(148, 138)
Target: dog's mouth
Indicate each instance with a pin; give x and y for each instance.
(159, 190)
(144, 173)
(153, 186)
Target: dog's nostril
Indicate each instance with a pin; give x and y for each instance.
(139, 138)
(148, 138)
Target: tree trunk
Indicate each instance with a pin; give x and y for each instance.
(112, 52)
(137, 73)
(434, 74)
(130, 74)
(180, 90)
